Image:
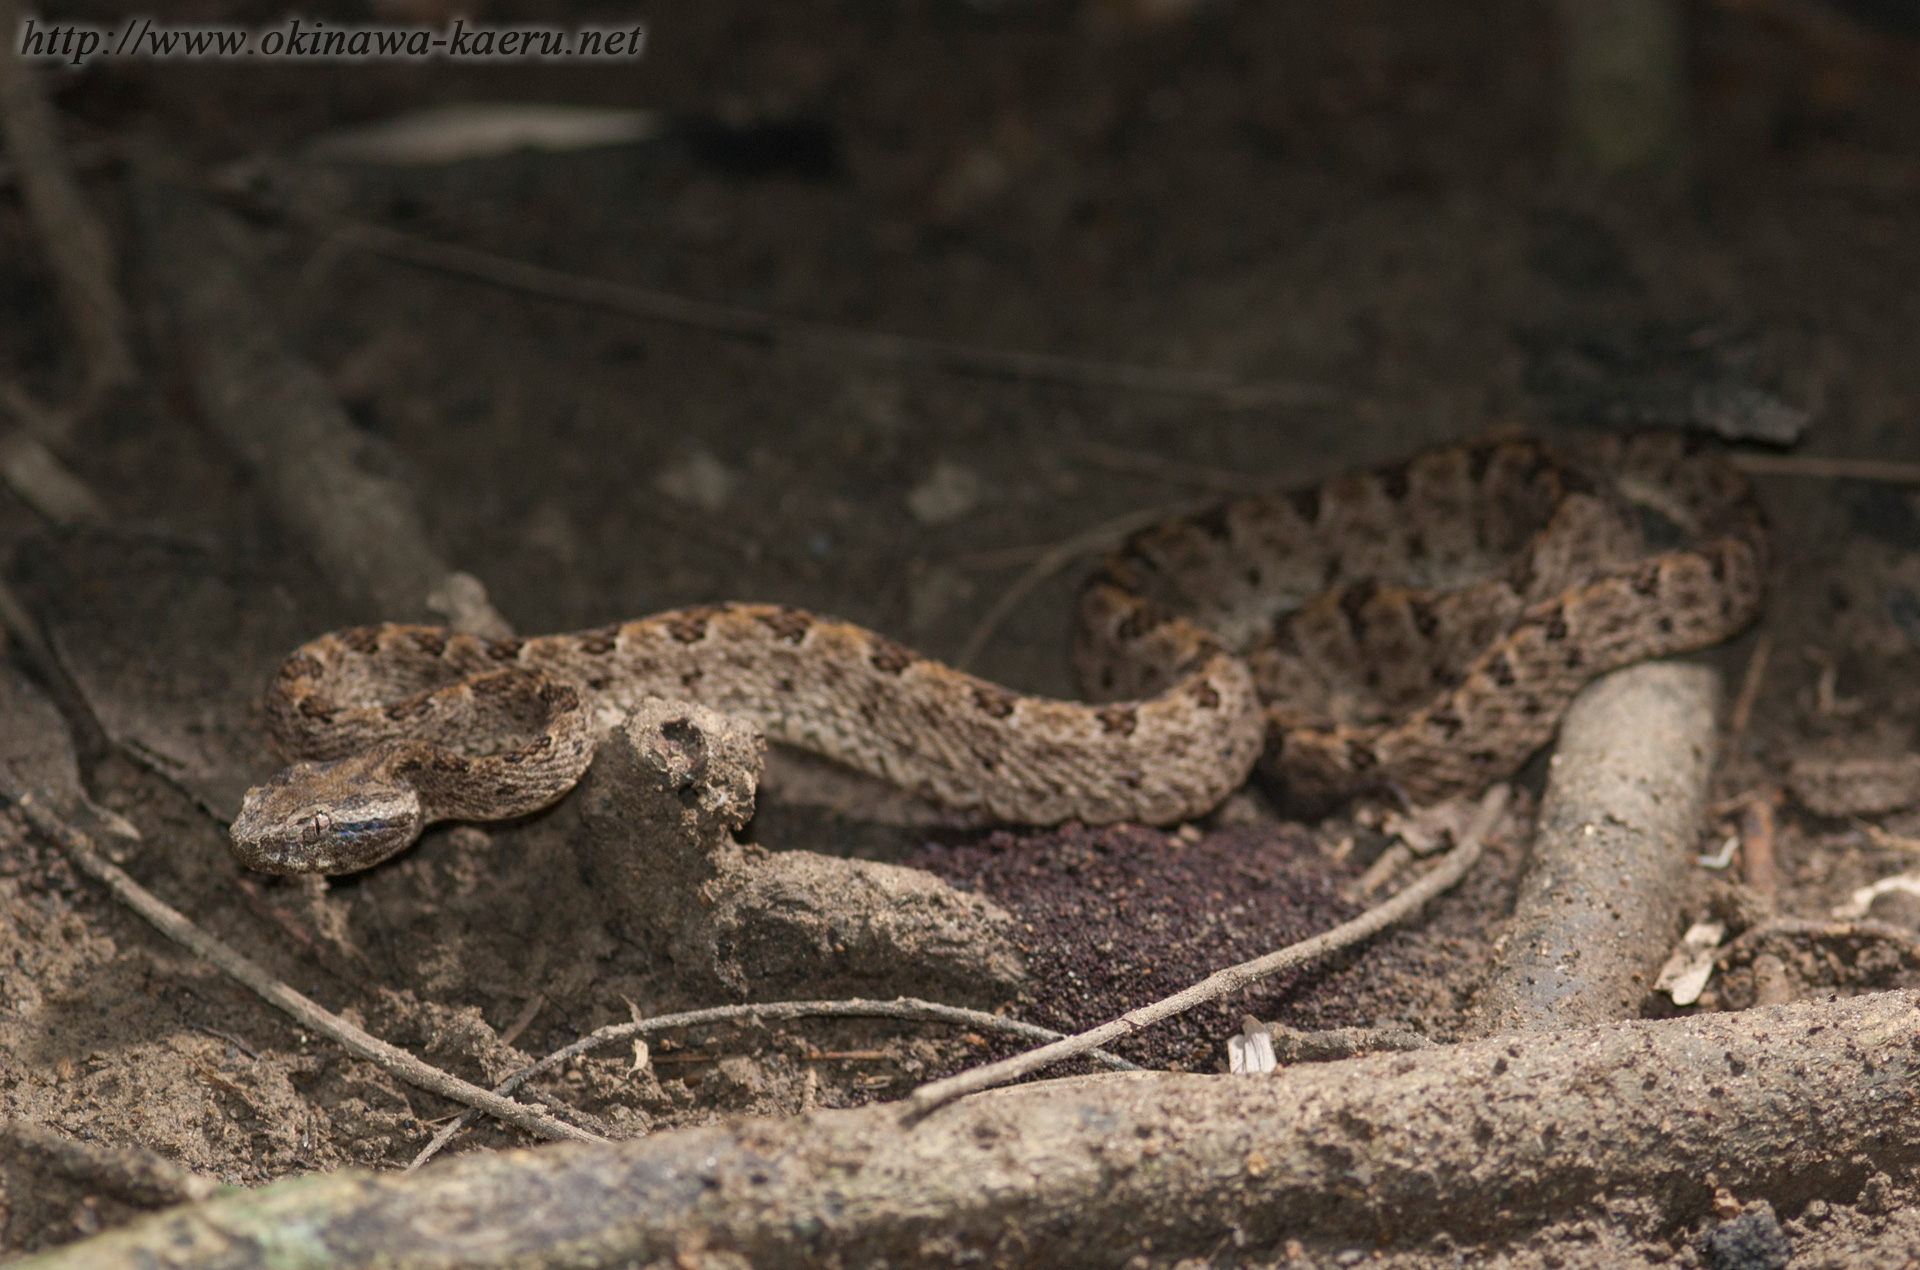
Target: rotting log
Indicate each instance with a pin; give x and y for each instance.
(1480, 1140)
(279, 415)
(1626, 796)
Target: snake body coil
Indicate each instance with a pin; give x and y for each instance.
(1423, 626)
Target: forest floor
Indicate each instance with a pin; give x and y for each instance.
(1362, 198)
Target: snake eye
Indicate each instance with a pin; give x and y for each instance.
(318, 826)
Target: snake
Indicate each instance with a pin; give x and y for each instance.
(1418, 628)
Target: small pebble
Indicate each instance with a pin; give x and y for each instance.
(1751, 1241)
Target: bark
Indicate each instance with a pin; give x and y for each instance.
(1598, 910)
(659, 805)
(1481, 1140)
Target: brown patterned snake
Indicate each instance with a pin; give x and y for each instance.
(1421, 627)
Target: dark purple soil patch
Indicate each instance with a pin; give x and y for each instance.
(1111, 919)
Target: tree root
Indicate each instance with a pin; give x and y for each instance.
(1480, 1140)
(1598, 909)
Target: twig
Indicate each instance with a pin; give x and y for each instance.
(1749, 692)
(1448, 871)
(82, 259)
(525, 1018)
(1826, 689)
(1396, 857)
(76, 243)
(17, 625)
(1101, 537)
(1121, 460)
(176, 926)
(1757, 863)
(1884, 840)
(1815, 930)
(1828, 469)
(724, 319)
(229, 1038)
(1595, 911)
(1757, 464)
(900, 1008)
(43, 483)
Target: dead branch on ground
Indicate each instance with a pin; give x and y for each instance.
(1749, 692)
(1807, 465)
(343, 235)
(1758, 865)
(1627, 794)
(1102, 537)
(1481, 1140)
(907, 1009)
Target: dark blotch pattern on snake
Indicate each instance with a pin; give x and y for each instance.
(1421, 628)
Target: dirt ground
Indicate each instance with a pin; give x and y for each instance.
(1363, 197)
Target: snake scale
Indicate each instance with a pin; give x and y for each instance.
(1420, 627)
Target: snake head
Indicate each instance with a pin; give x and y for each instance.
(336, 817)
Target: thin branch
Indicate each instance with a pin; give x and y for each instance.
(1806, 465)
(43, 483)
(18, 627)
(524, 1020)
(1749, 691)
(1146, 464)
(177, 927)
(1828, 469)
(1451, 868)
(724, 319)
(76, 242)
(1103, 536)
(1817, 930)
(907, 1008)
(1049, 560)
(1758, 866)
